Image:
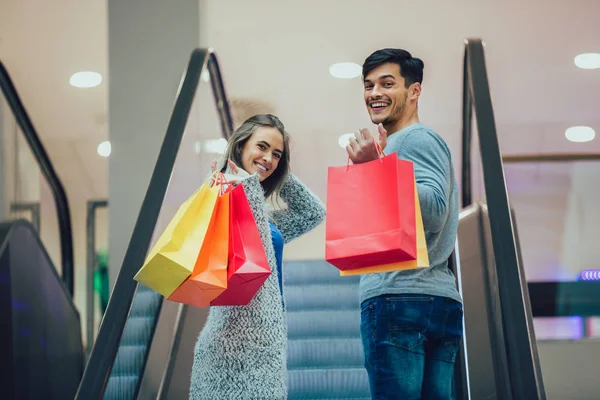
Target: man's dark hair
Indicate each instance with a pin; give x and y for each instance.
(411, 68)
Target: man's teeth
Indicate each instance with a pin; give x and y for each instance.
(378, 105)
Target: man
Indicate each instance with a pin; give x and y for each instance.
(411, 321)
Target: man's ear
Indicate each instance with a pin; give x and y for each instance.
(414, 91)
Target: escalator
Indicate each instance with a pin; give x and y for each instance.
(498, 358)
(498, 322)
(40, 325)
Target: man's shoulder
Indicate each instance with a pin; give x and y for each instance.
(417, 136)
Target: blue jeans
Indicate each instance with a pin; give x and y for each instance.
(410, 344)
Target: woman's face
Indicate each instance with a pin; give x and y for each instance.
(262, 151)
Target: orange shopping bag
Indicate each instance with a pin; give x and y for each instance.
(209, 277)
(248, 267)
(422, 260)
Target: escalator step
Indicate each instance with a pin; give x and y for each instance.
(145, 302)
(133, 347)
(324, 297)
(311, 272)
(121, 387)
(318, 324)
(128, 360)
(325, 353)
(322, 383)
(137, 330)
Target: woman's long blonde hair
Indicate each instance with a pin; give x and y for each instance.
(274, 183)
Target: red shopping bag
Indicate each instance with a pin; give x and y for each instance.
(371, 214)
(248, 266)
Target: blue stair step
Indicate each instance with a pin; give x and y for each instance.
(314, 271)
(127, 368)
(318, 324)
(322, 297)
(349, 383)
(127, 360)
(121, 387)
(324, 353)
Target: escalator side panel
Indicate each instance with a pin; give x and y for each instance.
(175, 382)
(8, 378)
(45, 343)
(494, 306)
(479, 322)
(527, 302)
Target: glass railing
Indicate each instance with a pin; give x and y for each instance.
(29, 186)
(555, 202)
(195, 136)
(97, 288)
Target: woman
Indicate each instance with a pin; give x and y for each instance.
(241, 352)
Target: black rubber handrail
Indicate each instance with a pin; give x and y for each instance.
(103, 353)
(219, 95)
(56, 186)
(524, 370)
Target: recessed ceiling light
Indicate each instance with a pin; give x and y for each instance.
(217, 146)
(344, 140)
(588, 60)
(85, 79)
(205, 76)
(104, 149)
(580, 134)
(345, 70)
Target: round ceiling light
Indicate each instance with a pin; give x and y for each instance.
(580, 134)
(344, 140)
(217, 146)
(588, 60)
(85, 79)
(104, 149)
(345, 70)
(205, 76)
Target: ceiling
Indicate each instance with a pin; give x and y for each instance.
(42, 44)
(278, 53)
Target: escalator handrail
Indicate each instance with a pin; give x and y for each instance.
(56, 186)
(102, 356)
(525, 374)
(219, 95)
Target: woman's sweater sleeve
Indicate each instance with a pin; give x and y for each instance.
(304, 210)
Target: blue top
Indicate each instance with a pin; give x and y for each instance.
(278, 242)
(438, 197)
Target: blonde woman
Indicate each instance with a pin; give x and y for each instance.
(241, 352)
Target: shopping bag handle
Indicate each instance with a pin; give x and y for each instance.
(218, 178)
(379, 153)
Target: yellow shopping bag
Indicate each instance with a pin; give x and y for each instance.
(174, 255)
(422, 260)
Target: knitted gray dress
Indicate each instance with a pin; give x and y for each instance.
(241, 351)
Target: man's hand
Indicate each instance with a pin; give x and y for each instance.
(361, 148)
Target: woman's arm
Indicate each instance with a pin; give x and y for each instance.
(304, 210)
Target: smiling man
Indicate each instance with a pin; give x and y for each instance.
(411, 321)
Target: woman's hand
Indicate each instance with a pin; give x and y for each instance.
(233, 175)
